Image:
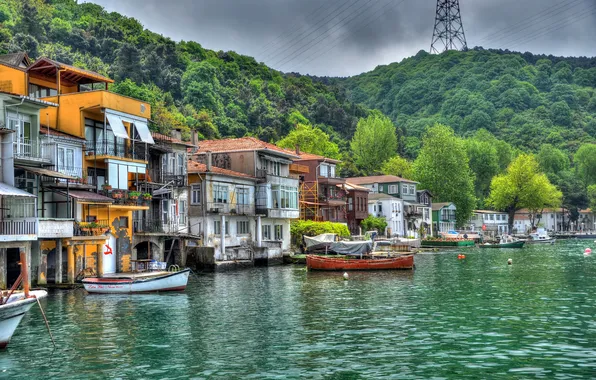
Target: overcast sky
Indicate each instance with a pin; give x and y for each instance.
(347, 37)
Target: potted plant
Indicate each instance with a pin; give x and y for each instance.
(147, 196)
(134, 195)
(117, 194)
(106, 187)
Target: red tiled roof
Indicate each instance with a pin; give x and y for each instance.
(197, 167)
(52, 132)
(377, 179)
(161, 136)
(310, 156)
(240, 145)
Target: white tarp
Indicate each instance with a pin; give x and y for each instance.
(312, 241)
(117, 126)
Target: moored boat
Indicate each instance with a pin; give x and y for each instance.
(541, 237)
(123, 283)
(505, 241)
(345, 264)
(13, 310)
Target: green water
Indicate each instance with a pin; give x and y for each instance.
(476, 318)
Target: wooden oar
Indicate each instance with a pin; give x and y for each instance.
(46, 320)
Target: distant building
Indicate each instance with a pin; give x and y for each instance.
(492, 223)
(357, 206)
(443, 217)
(390, 208)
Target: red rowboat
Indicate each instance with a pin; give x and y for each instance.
(327, 263)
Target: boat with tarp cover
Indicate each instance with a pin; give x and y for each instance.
(323, 263)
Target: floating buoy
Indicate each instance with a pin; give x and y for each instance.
(509, 261)
(346, 275)
(460, 256)
(587, 252)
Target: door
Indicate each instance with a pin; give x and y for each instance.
(109, 255)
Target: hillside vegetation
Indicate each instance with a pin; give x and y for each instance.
(219, 94)
(527, 100)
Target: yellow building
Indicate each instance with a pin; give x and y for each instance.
(84, 158)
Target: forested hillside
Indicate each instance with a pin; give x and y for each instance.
(219, 94)
(527, 100)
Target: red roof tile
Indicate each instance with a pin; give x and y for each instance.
(377, 179)
(197, 167)
(161, 136)
(52, 132)
(310, 156)
(240, 145)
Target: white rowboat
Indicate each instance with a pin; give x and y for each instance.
(138, 283)
(13, 311)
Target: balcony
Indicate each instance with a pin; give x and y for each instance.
(299, 169)
(447, 217)
(158, 176)
(157, 226)
(109, 148)
(80, 179)
(18, 229)
(50, 228)
(94, 228)
(230, 208)
(29, 150)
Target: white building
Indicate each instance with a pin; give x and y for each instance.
(493, 223)
(390, 208)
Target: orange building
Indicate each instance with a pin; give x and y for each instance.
(84, 157)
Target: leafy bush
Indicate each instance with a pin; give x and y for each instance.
(298, 228)
(374, 223)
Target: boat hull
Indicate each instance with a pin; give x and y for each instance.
(334, 264)
(545, 241)
(13, 312)
(175, 281)
(446, 243)
(515, 244)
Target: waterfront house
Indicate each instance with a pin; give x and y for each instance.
(391, 209)
(276, 194)
(161, 232)
(322, 193)
(223, 212)
(492, 223)
(86, 166)
(443, 217)
(424, 217)
(357, 206)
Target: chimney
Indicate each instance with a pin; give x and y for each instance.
(298, 149)
(193, 138)
(176, 133)
(209, 158)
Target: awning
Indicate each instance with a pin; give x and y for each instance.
(144, 132)
(88, 196)
(45, 172)
(11, 191)
(161, 191)
(117, 126)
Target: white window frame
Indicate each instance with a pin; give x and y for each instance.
(278, 230)
(195, 194)
(220, 193)
(242, 227)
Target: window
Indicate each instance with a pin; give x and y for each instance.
(393, 189)
(492, 216)
(266, 232)
(380, 208)
(412, 190)
(220, 194)
(195, 194)
(217, 227)
(180, 164)
(123, 222)
(323, 171)
(284, 197)
(279, 232)
(242, 195)
(350, 204)
(36, 91)
(498, 216)
(242, 227)
(274, 168)
(332, 171)
(182, 212)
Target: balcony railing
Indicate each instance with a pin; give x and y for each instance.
(18, 227)
(148, 225)
(76, 172)
(230, 208)
(159, 176)
(94, 228)
(26, 148)
(109, 147)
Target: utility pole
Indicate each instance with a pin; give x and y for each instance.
(449, 30)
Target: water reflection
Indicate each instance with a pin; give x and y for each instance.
(449, 318)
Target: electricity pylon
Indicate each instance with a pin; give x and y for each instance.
(449, 30)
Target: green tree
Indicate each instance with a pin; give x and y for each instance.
(398, 166)
(311, 140)
(374, 142)
(523, 186)
(484, 163)
(443, 168)
(374, 223)
(585, 163)
(592, 197)
(552, 160)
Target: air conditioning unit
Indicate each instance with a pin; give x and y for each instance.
(214, 210)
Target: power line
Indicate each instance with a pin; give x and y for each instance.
(291, 30)
(338, 40)
(512, 29)
(318, 40)
(322, 24)
(555, 27)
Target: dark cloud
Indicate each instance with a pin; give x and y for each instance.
(347, 37)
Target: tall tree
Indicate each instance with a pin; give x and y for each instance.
(374, 142)
(552, 160)
(311, 140)
(585, 163)
(523, 186)
(443, 168)
(398, 166)
(484, 163)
